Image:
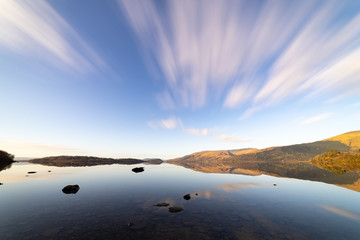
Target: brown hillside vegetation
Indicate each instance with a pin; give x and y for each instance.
(352, 139)
(300, 152)
(338, 162)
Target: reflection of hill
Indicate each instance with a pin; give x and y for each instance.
(4, 166)
(77, 161)
(299, 170)
(6, 159)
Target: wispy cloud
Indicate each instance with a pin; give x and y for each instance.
(169, 123)
(35, 29)
(354, 105)
(199, 132)
(316, 118)
(341, 212)
(227, 138)
(260, 54)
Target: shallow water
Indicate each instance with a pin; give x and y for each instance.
(226, 206)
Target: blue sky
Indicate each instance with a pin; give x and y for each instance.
(169, 78)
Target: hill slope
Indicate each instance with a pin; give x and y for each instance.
(351, 139)
(300, 152)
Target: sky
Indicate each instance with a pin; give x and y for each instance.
(146, 79)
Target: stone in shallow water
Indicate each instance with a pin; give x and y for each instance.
(32, 172)
(138, 169)
(187, 196)
(161, 205)
(175, 209)
(71, 189)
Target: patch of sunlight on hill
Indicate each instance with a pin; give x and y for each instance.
(244, 151)
(351, 139)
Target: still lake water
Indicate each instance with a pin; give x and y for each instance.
(222, 206)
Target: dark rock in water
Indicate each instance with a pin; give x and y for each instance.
(196, 194)
(175, 209)
(71, 189)
(31, 172)
(187, 196)
(49, 171)
(161, 205)
(138, 169)
(26, 175)
(1, 183)
(130, 224)
(274, 184)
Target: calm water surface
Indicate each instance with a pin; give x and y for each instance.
(222, 206)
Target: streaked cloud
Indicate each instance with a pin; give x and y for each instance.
(169, 123)
(341, 212)
(254, 56)
(354, 105)
(227, 138)
(35, 29)
(316, 118)
(238, 95)
(199, 132)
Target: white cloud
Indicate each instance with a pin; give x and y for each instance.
(170, 123)
(316, 118)
(35, 29)
(199, 132)
(226, 138)
(284, 48)
(319, 59)
(238, 95)
(165, 100)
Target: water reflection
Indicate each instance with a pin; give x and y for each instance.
(4, 166)
(299, 170)
(341, 212)
(115, 203)
(237, 187)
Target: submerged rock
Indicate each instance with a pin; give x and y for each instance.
(175, 209)
(1, 183)
(187, 196)
(274, 184)
(138, 169)
(71, 189)
(32, 172)
(161, 205)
